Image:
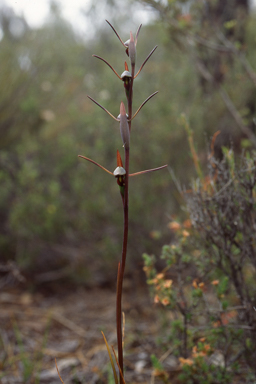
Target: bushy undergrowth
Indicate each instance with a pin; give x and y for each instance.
(52, 216)
(208, 284)
(48, 209)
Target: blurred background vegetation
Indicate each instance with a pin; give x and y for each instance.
(61, 217)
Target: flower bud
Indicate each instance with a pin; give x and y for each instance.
(132, 50)
(124, 128)
(119, 116)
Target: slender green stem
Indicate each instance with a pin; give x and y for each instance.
(121, 269)
(119, 321)
(125, 242)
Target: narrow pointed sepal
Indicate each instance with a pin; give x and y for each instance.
(110, 66)
(94, 162)
(148, 170)
(116, 33)
(142, 65)
(144, 102)
(101, 106)
(119, 159)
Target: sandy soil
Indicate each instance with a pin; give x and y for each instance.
(37, 328)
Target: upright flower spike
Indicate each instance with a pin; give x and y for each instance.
(122, 176)
(124, 127)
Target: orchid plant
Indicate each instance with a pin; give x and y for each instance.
(121, 173)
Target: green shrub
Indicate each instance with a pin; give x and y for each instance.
(208, 284)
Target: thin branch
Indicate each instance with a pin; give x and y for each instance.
(175, 180)
(166, 354)
(104, 109)
(209, 44)
(58, 372)
(110, 66)
(142, 65)
(144, 102)
(233, 111)
(241, 57)
(222, 189)
(229, 104)
(191, 37)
